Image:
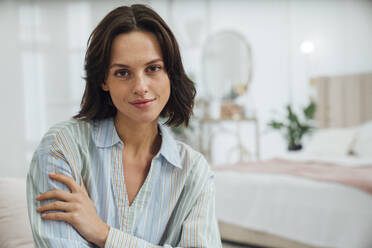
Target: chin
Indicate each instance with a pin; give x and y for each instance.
(145, 118)
(141, 117)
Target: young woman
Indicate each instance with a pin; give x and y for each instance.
(113, 176)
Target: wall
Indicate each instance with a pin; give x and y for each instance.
(275, 29)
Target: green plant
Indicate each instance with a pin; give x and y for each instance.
(294, 128)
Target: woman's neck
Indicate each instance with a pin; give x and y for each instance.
(139, 139)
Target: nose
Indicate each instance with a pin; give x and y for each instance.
(140, 85)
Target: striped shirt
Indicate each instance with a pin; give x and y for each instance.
(175, 206)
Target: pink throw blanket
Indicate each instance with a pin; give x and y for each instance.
(357, 176)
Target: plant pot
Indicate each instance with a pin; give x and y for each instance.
(295, 147)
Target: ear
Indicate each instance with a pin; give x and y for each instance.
(104, 87)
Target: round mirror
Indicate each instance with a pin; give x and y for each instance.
(226, 62)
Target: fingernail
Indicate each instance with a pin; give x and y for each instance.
(37, 197)
(51, 174)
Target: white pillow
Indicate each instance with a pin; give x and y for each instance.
(15, 230)
(363, 143)
(331, 142)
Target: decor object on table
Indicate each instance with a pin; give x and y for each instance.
(232, 111)
(294, 127)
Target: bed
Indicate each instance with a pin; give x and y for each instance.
(319, 197)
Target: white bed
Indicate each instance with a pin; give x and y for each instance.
(314, 213)
(286, 211)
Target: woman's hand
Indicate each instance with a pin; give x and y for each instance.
(76, 208)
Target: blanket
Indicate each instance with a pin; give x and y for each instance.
(359, 177)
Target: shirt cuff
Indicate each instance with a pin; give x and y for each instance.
(117, 238)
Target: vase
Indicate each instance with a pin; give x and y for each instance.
(294, 147)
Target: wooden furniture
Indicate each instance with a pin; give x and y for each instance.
(210, 128)
(259, 238)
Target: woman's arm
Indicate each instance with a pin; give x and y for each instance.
(75, 208)
(47, 233)
(198, 230)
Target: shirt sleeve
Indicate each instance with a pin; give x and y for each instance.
(199, 229)
(50, 233)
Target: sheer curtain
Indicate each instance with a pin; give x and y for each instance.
(42, 49)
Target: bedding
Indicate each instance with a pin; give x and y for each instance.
(316, 210)
(358, 177)
(332, 141)
(363, 143)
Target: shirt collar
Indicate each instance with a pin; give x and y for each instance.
(169, 147)
(104, 135)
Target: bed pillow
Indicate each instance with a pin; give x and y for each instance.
(331, 142)
(15, 229)
(363, 143)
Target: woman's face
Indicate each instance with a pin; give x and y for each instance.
(137, 80)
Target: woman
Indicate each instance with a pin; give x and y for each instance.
(113, 176)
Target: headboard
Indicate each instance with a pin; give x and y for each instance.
(343, 101)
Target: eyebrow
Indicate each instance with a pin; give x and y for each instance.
(127, 66)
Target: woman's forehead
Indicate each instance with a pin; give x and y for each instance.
(137, 47)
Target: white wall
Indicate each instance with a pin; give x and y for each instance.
(12, 145)
(340, 31)
(43, 42)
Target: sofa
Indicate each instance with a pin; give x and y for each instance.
(15, 231)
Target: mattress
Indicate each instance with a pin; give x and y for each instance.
(294, 209)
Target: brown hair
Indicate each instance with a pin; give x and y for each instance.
(96, 104)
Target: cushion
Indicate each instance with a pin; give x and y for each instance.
(331, 142)
(15, 230)
(363, 143)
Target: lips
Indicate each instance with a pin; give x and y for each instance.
(142, 103)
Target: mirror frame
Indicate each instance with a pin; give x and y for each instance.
(246, 44)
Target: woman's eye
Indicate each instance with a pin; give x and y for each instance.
(153, 68)
(121, 73)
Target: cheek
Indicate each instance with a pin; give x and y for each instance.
(119, 97)
(114, 96)
(161, 87)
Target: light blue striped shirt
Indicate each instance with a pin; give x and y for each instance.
(175, 206)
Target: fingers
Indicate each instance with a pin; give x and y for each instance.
(71, 204)
(57, 205)
(82, 186)
(61, 216)
(55, 194)
(70, 217)
(69, 181)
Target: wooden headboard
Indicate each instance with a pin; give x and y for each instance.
(343, 101)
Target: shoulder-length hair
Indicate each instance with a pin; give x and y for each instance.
(96, 104)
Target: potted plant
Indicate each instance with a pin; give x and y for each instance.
(294, 127)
